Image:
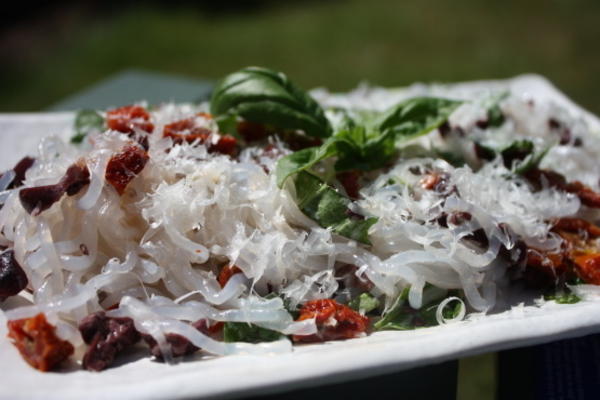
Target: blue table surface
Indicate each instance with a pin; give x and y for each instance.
(133, 85)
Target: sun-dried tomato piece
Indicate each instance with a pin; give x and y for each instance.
(297, 141)
(588, 268)
(225, 145)
(545, 269)
(37, 342)
(125, 166)
(40, 198)
(334, 321)
(350, 180)
(127, 119)
(540, 178)
(576, 225)
(179, 345)
(226, 273)
(208, 328)
(436, 181)
(578, 256)
(106, 337)
(585, 194)
(204, 115)
(12, 276)
(459, 217)
(564, 133)
(321, 310)
(188, 130)
(20, 169)
(252, 131)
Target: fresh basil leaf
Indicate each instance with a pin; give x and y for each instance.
(519, 156)
(402, 316)
(367, 141)
(227, 123)
(365, 303)
(416, 116)
(86, 121)
(244, 332)
(530, 162)
(452, 311)
(575, 281)
(302, 160)
(342, 118)
(287, 304)
(495, 116)
(322, 203)
(359, 149)
(352, 147)
(396, 318)
(269, 97)
(518, 150)
(454, 159)
(563, 297)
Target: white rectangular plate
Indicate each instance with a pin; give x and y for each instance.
(307, 365)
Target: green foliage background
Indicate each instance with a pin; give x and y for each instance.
(330, 43)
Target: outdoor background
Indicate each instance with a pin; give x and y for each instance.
(57, 49)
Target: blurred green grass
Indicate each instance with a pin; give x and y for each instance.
(477, 378)
(333, 43)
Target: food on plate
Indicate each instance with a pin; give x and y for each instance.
(270, 216)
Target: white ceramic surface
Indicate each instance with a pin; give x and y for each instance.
(306, 365)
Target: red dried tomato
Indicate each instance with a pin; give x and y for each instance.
(128, 118)
(39, 198)
(579, 255)
(545, 269)
(210, 330)
(585, 194)
(186, 129)
(588, 268)
(436, 181)
(205, 115)
(225, 145)
(350, 182)
(37, 342)
(226, 273)
(576, 225)
(540, 177)
(125, 166)
(252, 131)
(334, 321)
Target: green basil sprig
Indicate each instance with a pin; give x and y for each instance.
(329, 208)
(365, 303)
(402, 316)
(519, 156)
(86, 121)
(372, 145)
(265, 96)
(416, 116)
(495, 116)
(244, 332)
